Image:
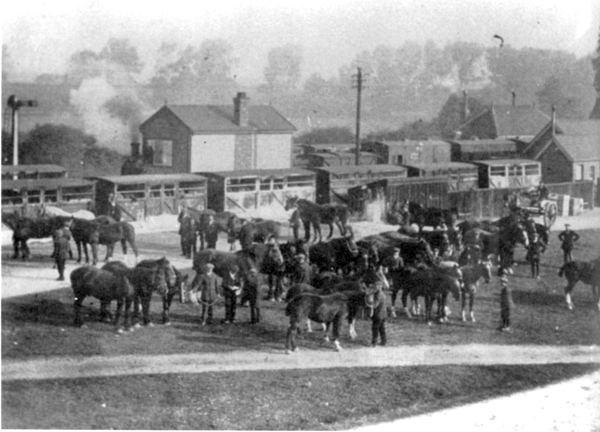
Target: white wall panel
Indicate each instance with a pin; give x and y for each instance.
(274, 151)
(212, 153)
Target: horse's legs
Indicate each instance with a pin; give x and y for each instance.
(290, 340)
(16, 248)
(77, 309)
(336, 332)
(471, 303)
(146, 308)
(124, 246)
(352, 328)
(463, 305)
(104, 311)
(118, 314)
(330, 230)
(428, 308)
(393, 305)
(404, 302)
(568, 290)
(167, 300)
(306, 230)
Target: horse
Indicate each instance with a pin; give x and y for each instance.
(258, 231)
(86, 232)
(176, 286)
(431, 283)
(274, 266)
(336, 254)
(224, 221)
(123, 232)
(329, 309)
(586, 272)
(105, 286)
(314, 214)
(500, 244)
(26, 228)
(433, 216)
(145, 281)
(412, 250)
(471, 274)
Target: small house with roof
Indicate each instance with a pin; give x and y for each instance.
(209, 138)
(504, 121)
(568, 150)
(408, 151)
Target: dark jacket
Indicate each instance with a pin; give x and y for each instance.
(568, 239)
(302, 273)
(230, 282)
(61, 238)
(208, 287)
(535, 250)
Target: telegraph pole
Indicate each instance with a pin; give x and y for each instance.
(14, 103)
(358, 84)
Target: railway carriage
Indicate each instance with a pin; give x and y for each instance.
(509, 173)
(461, 176)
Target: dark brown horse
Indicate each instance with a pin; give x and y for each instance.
(259, 231)
(586, 272)
(106, 287)
(145, 281)
(176, 286)
(314, 215)
(225, 222)
(329, 309)
(25, 228)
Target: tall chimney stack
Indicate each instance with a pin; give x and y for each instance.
(514, 98)
(135, 150)
(553, 120)
(464, 112)
(240, 109)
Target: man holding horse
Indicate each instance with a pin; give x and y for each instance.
(211, 233)
(302, 272)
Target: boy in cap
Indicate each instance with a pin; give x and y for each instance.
(232, 287)
(568, 239)
(534, 251)
(207, 284)
(506, 302)
(62, 247)
(252, 285)
(302, 270)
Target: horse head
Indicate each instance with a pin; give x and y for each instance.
(290, 202)
(486, 270)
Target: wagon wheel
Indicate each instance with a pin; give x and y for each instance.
(550, 212)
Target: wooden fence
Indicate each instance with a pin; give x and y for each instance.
(475, 203)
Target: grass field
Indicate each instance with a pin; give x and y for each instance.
(41, 326)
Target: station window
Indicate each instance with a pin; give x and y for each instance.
(132, 192)
(498, 171)
(247, 184)
(515, 170)
(265, 184)
(532, 169)
(162, 152)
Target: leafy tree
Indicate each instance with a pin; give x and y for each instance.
(196, 74)
(330, 135)
(596, 64)
(283, 71)
(70, 148)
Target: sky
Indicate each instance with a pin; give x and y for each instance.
(42, 35)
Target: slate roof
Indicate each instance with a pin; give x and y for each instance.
(32, 169)
(511, 120)
(579, 148)
(579, 127)
(203, 119)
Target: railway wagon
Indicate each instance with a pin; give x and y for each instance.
(28, 195)
(333, 183)
(508, 173)
(144, 195)
(42, 171)
(246, 190)
(460, 176)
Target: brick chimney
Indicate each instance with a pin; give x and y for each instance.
(514, 98)
(135, 150)
(553, 120)
(240, 109)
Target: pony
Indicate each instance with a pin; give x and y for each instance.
(433, 216)
(586, 272)
(412, 250)
(313, 215)
(145, 281)
(258, 231)
(25, 228)
(86, 232)
(500, 244)
(329, 309)
(175, 287)
(106, 287)
(471, 274)
(430, 283)
(336, 254)
(123, 232)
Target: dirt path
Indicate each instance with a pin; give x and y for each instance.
(68, 367)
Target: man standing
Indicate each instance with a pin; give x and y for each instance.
(252, 286)
(211, 233)
(302, 270)
(232, 287)
(534, 252)
(568, 239)
(62, 247)
(506, 302)
(114, 209)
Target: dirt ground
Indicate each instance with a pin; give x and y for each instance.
(573, 405)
